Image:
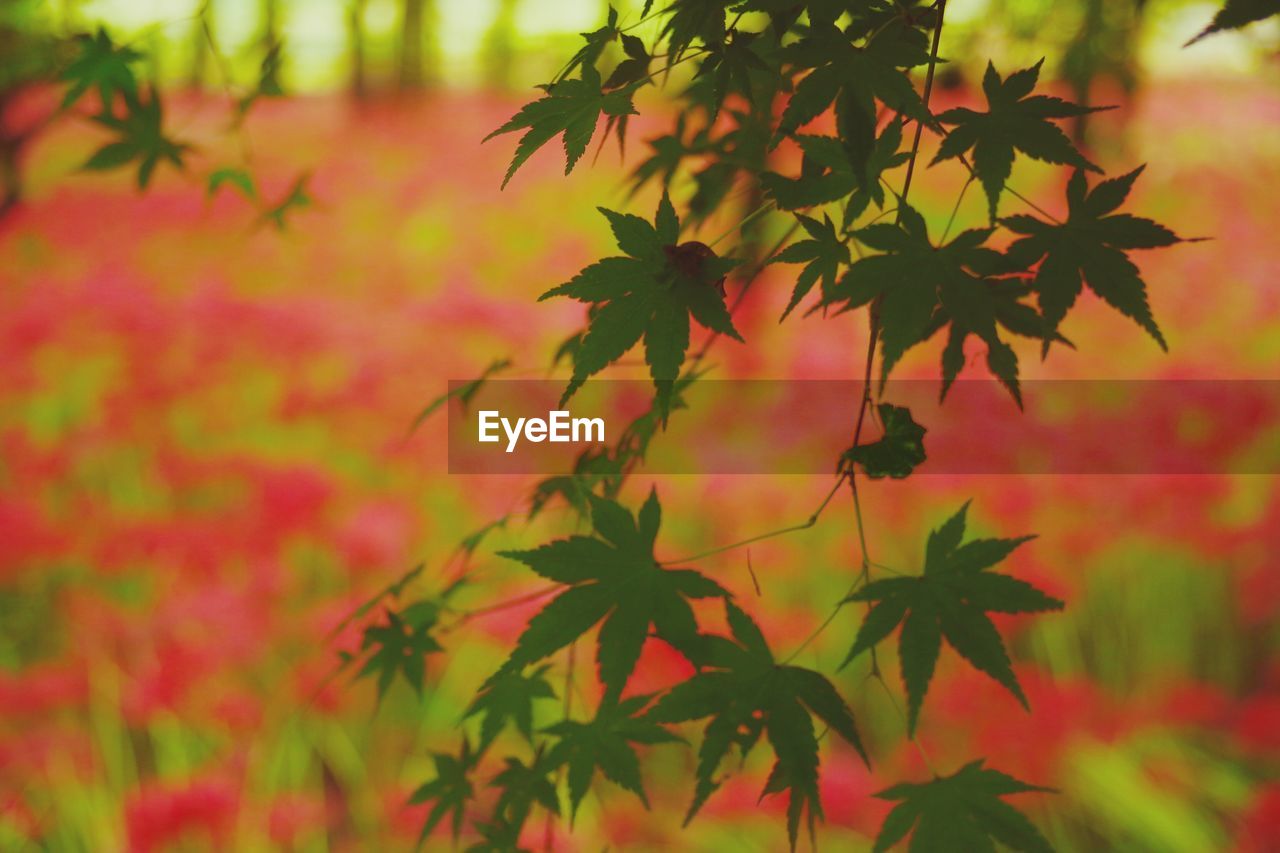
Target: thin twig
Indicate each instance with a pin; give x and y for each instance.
(804, 525)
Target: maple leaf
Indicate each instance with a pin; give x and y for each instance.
(1015, 120)
(923, 288)
(230, 176)
(1090, 248)
(295, 198)
(747, 693)
(140, 136)
(832, 168)
(522, 786)
(400, 645)
(950, 600)
(852, 77)
(571, 107)
(103, 65)
(1236, 14)
(594, 44)
(896, 453)
(613, 578)
(509, 699)
(450, 789)
(693, 20)
(463, 393)
(498, 836)
(963, 811)
(822, 254)
(651, 293)
(729, 64)
(604, 743)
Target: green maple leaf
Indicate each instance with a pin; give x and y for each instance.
(230, 176)
(693, 20)
(498, 836)
(1015, 120)
(594, 44)
(923, 288)
(571, 107)
(139, 136)
(651, 293)
(295, 198)
(463, 393)
(400, 645)
(832, 168)
(853, 78)
(729, 64)
(1089, 248)
(950, 600)
(822, 254)
(604, 743)
(747, 693)
(103, 65)
(509, 699)
(268, 85)
(1236, 14)
(451, 789)
(612, 577)
(522, 786)
(963, 811)
(896, 453)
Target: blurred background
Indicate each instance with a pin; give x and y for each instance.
(205, 464)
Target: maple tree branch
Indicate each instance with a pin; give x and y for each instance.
(928, 91)
(804, 525)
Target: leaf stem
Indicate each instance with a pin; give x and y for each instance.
(759, 211)
(955, 209)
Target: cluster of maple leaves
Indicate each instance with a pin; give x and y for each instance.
(134, 116)
(853, 60)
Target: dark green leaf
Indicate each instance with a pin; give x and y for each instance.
(604, 744)
(238, 178)
(650, 294)
(451, 790)
(896, 453)
(746, 693)
(1236, 14)
(1015, 120)
(822, 254)
(614, 578)
(1089, 248)
(571, 107)
(506, 699)
(463, 393)
(949, 600)
(103, 65)
(923, 288)
(399, 645)
(962, 811)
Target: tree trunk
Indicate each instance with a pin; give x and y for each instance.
(355, 46)
(10, 174)
(499, 46)
(270, 41)
(199, 50)
(411, 69)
